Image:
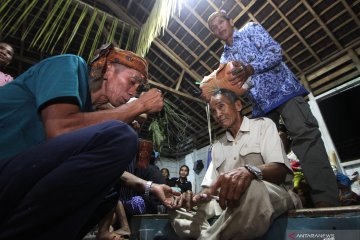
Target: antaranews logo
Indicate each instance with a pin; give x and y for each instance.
(292, 235)
(310, 235)
(325, 234)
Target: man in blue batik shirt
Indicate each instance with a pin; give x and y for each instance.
(275, 92)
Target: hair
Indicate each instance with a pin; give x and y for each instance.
(228, 94)
(95, 84)
(166, 170)
(185, 167)
(221, 13)
(12, 50)
(109, 54)
(5, 43)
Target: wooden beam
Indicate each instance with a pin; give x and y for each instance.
(180, 41)
(336, 83)
(178, 61)
(351, 12)
(294, 30)
(165, 61)
(121, 13)
(332, 76)
(354, 58)
(161, 86)
(179, 80)
(188, 49)
(332, 58)
(333, 64)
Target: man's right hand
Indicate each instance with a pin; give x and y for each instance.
(232, 185)
(152, 100)
(189, 200)
(241, 73)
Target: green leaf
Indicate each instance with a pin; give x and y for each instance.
(88, 30)
(81, 18)
(48, 23)
(97, 37)
(69, 20)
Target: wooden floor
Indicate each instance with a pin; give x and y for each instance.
(332, 218)
(324, 212)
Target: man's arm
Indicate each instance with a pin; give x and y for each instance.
(234, 183)
(59, 118)
(274, 172)
(268, 56)
(163, 192)
(269, 52)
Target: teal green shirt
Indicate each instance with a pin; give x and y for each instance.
(20, 100)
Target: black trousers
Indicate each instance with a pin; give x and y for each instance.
(308, 146)
(62, 188)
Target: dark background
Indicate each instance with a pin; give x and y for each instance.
(341, 114)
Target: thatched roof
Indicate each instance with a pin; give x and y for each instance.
(320, 39)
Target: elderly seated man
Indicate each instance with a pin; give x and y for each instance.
(249, 173)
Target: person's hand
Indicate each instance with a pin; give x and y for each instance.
(240, 73)
(188, 200)
(204, 196)
(152, 100)
(136, 125)
(232, 185)
(165, 194)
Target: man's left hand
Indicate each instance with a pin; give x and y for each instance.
(232, 186)
(241, 73)
(165, 194)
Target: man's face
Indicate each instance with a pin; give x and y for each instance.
(6, 54)
(121, 84)
(224, 112)
(222, 28)
(183, 172)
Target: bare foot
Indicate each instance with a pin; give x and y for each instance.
(109, 236)
(124, 231)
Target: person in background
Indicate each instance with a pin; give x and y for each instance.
(6, 56)
(249, 174)
(166, 174)
(274, 91)
(55, 150)
(150, 173)
(181, 183)
(115, 225)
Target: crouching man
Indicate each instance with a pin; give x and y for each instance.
(61, 162)
(249, 173)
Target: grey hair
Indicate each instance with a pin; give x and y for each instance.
(228, 94)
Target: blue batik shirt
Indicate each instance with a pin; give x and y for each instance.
(273, 83)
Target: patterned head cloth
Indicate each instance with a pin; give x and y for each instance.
(110, 54)
(212, 16)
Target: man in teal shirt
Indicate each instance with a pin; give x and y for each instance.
(22, 101)
(60, 162)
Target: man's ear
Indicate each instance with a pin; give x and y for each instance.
(231, 22)
(238, 105)
(109, 68)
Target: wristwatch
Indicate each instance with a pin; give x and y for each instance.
(147, 188)
(254, 170)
